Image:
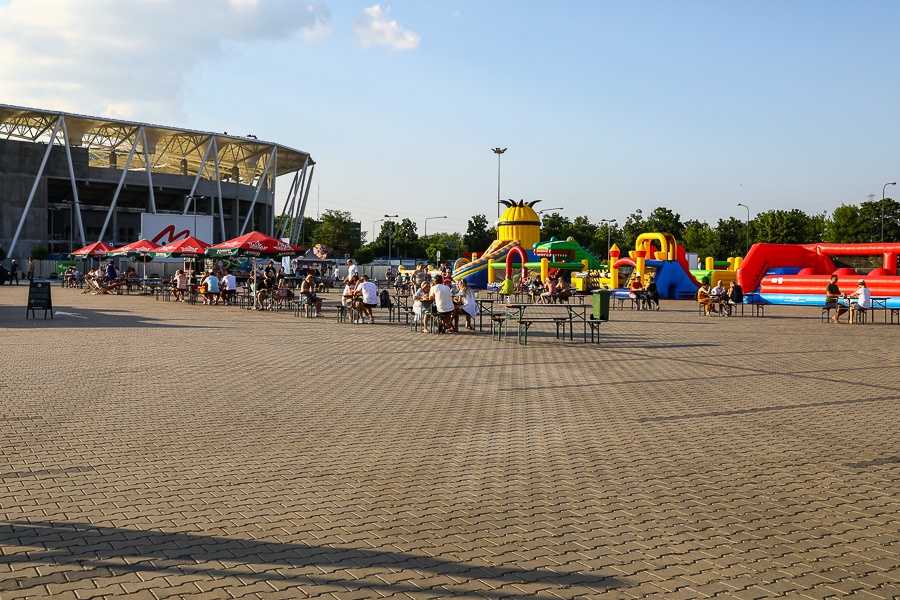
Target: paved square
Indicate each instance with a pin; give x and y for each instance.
(160, 450)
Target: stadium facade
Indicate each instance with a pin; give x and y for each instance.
(68, 180)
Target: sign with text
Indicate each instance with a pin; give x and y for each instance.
(39, 298)
(165, 229)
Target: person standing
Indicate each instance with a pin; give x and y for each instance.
(352, 269)
(30, 270)
(14, 272)
(111, 274)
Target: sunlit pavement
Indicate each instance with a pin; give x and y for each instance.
(156, 450)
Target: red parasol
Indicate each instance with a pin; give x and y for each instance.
(254, 244)
(189, 247)
(134, 248)
(95, 249)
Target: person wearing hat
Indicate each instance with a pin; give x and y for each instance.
(863, 300)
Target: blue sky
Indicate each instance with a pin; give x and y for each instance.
(604, 107)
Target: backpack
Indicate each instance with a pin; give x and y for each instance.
(385, 299)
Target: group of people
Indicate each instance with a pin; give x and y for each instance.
(859, 301)
(553, 290)
(645, 298)
(14, 270)
(719, 301)
(439, 305)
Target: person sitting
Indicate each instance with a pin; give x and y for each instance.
(228, 286)
(348, 298)
(418, 308)
(368, 292)
(636, 291)
(209, 287)
(704, 299)
(551, 293)
(832, 294)
(735, 297)
(564, 291)
(652, 297)
(443, 303)
(308, 292)
(717, 297)
(863, 301)
(264, 285)
(536, 289)
(283, 292)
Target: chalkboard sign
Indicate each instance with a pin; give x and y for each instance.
(39, 298)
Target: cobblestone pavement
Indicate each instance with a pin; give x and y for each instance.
(160, 450)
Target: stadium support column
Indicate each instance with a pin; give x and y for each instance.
(37, 181)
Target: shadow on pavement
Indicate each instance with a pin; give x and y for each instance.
(123, 550)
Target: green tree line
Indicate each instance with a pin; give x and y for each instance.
(728, 237)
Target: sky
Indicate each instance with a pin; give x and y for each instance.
(605, 107)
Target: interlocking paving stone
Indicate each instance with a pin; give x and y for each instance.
(160, 450)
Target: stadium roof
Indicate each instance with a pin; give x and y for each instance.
(168, 149)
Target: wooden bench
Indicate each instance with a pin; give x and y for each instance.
(524, 324)
(594, 324)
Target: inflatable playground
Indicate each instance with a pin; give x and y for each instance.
(794, 274)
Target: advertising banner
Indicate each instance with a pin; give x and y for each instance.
(165, 229)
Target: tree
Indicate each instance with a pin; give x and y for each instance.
(364, 256)
(699, 237)
(584, 231)
(663, 220)
(478, 235)
(782, 227)
(634, 226)
(732, 237)
(846, 226)
(606, 233)
(337, 231)
(39, 253)
(555, 225)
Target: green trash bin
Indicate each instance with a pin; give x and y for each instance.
(601, 304)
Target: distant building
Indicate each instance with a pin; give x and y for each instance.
(100, 175)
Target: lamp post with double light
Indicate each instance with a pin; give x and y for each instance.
(748, 226)
(390, 235)
(425, 235)
(882, 207)
(609, 223)
(498, 152)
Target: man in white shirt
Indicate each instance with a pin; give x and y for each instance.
(229, 287)
(368, 291)
(863, 300)
(443, 301)
(352, 269)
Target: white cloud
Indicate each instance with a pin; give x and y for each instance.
(373, 28)
(131, 59)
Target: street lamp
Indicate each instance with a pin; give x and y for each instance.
(375, 235)
(390, 236)
(608, 239)
(540, 212)
(193, 200)
(748, 224)
(50, 211)
(882, 207)
(71, 240)
(498, 152)
(425, 235)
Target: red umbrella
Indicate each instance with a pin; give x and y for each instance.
(95, 249)
(189, 247)
(134, 248)
(254, 244)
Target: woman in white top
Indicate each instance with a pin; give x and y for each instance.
(468, 307)
(420, 293)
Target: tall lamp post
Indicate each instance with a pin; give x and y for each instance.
(374, 234)
(390, 236)
(609, 223)
(748, 226)
(540, 212)
(498, 152)
(425, 235)
(882, 207)
(71, 236)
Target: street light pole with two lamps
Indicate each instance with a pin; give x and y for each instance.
(425, 234)
(608, 222)
(498, 152)
(390, 236)
(882, 207)
(748, 226)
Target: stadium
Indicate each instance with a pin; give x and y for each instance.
(67, 180)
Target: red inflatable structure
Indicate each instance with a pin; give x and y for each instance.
(816, 267)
